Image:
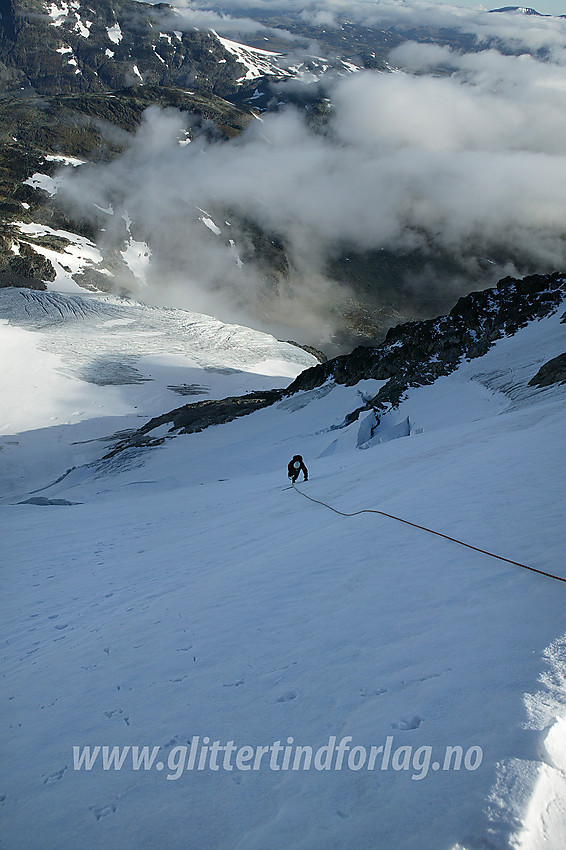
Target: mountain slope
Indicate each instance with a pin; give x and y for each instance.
(417, 353)
(189, 595)
(63, 48)
(75, 80)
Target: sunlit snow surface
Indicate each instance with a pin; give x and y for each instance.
(103, 364)
(79, 254)
(114, 34)
(256, 61)
(189, 594)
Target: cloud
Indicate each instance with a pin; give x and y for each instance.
(187, 16)
(514, 104)
(515, 30)
(470, 164)
(319, 17)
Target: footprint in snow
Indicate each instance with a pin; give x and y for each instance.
(103, 811)
(110, 714)
(406, 725)
(287, 696)
(375, 692)
(55, 777)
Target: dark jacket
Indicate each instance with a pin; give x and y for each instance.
(295, 467)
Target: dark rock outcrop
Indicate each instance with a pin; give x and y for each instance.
(416, 353)
(320, 355)
(26, 268)
(196, 417)
(553, 372)
(192, 418)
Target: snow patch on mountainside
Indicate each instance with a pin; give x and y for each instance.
(44, 182)
(65, 160)
(78, 254)
(114, 34)
(258, 63)
(137, 256)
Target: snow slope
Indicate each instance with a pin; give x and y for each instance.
(188, 594)
(77, 368)
(267, 63)
(258, 63)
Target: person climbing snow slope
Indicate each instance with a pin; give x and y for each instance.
(295, 467)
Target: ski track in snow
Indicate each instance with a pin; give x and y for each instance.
(187, 593)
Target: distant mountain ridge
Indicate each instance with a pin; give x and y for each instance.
(525, 10)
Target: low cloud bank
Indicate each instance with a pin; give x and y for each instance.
(470, 164)
(513, 29)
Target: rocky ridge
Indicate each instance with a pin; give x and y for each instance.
(417, 353)
(413, 354)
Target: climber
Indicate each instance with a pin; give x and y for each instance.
(295, 467)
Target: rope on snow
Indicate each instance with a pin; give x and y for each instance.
(431, 531)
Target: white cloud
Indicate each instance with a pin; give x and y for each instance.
(187, 16)
(472, 163)
(530, 31)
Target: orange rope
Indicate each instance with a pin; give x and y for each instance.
(431, 531)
